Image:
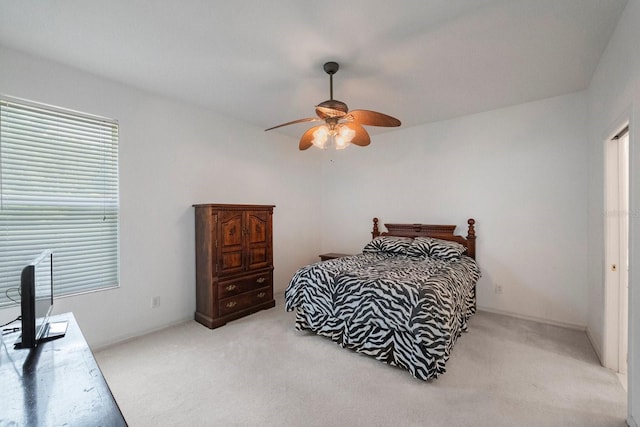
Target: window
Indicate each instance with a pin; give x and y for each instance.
(58, 191)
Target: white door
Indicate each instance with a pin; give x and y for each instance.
(623, 172)
(616, 251)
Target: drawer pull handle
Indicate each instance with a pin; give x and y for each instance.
(261, 280)
(261, 295)
(230, 287)
(231, 304)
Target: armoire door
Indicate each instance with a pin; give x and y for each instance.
(231, 253)
(258, 240)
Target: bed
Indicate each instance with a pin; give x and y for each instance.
(404, 300)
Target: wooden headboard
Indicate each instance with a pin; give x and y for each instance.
(444, 232)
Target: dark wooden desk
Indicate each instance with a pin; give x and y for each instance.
(57, 383)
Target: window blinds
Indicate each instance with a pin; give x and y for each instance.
(58, 191)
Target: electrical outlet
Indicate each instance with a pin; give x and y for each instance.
(498, 289)
(155, 302)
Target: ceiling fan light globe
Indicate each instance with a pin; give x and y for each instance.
(320, 137)
(340, 142)
(346, 133)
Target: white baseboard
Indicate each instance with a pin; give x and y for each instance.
(535, 319)
(595, 346)
(128, 337)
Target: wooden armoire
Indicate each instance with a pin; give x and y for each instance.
(234, 261)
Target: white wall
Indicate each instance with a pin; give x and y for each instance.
(614, 97)
(173, 155)
(521, 172)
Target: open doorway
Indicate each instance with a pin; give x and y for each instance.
(617, 253)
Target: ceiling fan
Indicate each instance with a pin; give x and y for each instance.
(340, 125)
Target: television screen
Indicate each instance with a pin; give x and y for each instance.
(36, 288)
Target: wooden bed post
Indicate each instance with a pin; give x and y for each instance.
(376, 232)
(471, 238)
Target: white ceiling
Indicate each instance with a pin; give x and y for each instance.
(261, 61)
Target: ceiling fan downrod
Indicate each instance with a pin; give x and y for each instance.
(331, 68)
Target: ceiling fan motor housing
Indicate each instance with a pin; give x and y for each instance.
(332, 108)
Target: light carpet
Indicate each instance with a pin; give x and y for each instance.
(259, 371)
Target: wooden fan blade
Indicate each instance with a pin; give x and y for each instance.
(373, 118)
(362, 136)
(307, 138)
(308, 119)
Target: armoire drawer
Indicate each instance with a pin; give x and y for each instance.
(235, 287)
(245, 300)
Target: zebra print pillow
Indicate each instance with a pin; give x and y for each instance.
(390, 244)
(436, 248)
(445, 249)
(420, 247)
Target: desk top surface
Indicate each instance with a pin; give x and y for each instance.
(56, 383)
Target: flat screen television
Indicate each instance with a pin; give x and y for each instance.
(36, 290)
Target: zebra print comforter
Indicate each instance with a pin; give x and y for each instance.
(404, 311)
